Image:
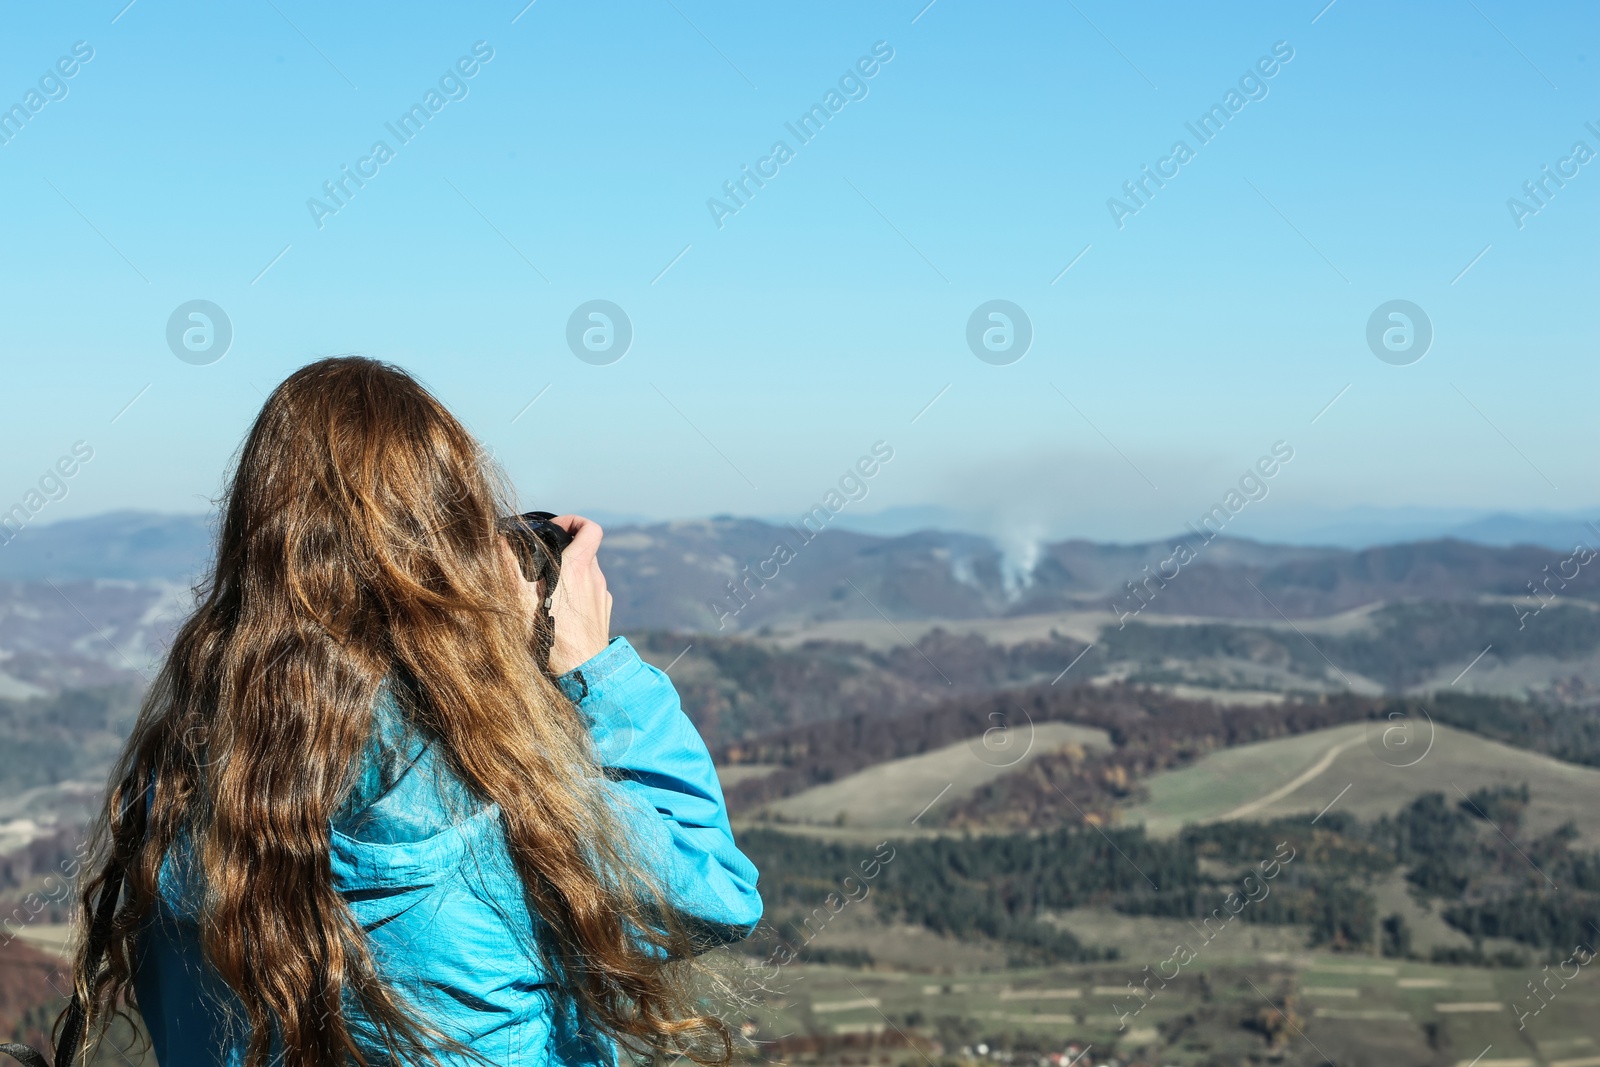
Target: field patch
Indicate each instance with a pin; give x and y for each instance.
(1348, 767)
(891, 794)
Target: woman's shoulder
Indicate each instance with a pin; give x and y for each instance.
(402, 788)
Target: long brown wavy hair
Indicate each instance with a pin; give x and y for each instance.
(358, 544)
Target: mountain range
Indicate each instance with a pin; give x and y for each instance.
(1361, 527)
(91, 601)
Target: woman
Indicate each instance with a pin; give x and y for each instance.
(360, 824)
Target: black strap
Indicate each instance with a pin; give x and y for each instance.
(76, 1018)
(25, 1054)
(105, 915)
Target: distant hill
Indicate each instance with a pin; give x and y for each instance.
(76, 633)
(1302, 774)
(694, 575)
(1366, 527)
(1352, 528)
(130, 545)
(92, 601)
(1554, 531)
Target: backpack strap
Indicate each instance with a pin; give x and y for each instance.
(76, 1019)
(26, 1055)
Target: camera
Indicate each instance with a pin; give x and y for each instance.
(537, 543)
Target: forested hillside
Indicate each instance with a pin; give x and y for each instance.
(737, 688)
(1398, 645)
(1468, 856)
(72, 734)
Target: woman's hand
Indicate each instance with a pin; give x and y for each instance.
(582, 606)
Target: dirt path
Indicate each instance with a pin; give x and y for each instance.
(1307, 775)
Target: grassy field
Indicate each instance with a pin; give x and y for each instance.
(1306, 773)
(1348, 1010)
(890, 795)
(1226, 1007)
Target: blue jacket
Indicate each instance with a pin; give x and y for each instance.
(425, 870)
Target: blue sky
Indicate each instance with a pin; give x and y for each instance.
(769, 353)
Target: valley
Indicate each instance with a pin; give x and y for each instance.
(1067, 791)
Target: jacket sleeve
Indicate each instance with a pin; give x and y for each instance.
(667, 790)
